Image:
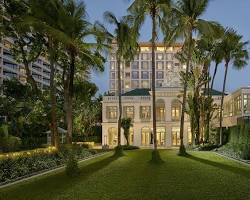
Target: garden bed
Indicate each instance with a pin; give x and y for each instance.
(16, 166)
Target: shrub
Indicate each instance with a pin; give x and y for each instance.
(72, 168)
(10, 143)
(129, 147)
(207, 147)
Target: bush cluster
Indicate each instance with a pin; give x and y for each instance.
(10, 143)
(239, 142)
(129, 147)
(28, 163)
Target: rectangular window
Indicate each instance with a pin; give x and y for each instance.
(112, 75)
(112, 56)
(145, 84)
(159, 83)
(128, 111)
(111, 112)
(169, 65)
(112, 65)
(160, 75)
(145, 112)
(134, 84)
(175, 136)
(169, 56)
(160, 65)
(159, 56)
(237, 105)
(144, 56)
(144, 75)
(127, 75)
(144, 65)
(127, 84)
(112, 85)
(189, 136)
(135, 75)
(135, 65)
(246, 103)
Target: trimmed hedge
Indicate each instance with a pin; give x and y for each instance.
(25, 164)
(130, 147)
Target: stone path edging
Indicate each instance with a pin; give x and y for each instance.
(41, 173)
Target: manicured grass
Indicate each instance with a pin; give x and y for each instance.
(198, 176)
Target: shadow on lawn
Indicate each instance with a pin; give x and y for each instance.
(232, 169)
(96, 166)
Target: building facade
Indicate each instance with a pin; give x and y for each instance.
(137, 74)
(9, 68)
(137, 102)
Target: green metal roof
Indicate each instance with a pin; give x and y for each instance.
(213, 92)
(138, 92)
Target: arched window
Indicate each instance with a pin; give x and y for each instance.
(112, 136)
(160, 110)
(145, 136)
(175, 110)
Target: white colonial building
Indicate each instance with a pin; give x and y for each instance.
(137, 102)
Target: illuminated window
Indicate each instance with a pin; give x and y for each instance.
(160, 136)
(176, 136)
(145, 136)
(131, 136)
(145, 84)
(144, 65)
(127, 84)
(246, 103)
(159, 56)
(145, 112)
(128, 112)
(112, 136)
(111, 112)
(175, 110)
(160, 65)
(145, 56)
(112, 65)
(189, 136)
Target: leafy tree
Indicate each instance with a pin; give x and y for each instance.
(28, 43)
(126, 124)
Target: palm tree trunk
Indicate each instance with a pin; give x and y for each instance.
(153, 15)
(182, 147)
(215, 72)
(119, 100)
(54, 132)
(69, 109)
(222, 101)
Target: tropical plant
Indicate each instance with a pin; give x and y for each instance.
(126, 124)
(186, 21)
(233, 50)
(126, 41)
(76, 28)
(157, 10)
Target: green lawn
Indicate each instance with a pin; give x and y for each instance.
(199, 176)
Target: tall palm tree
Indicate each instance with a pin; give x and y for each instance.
(233, 50)
(156, 9)
(75, 29)
(45, 18)
(126, 42)
(186, 22)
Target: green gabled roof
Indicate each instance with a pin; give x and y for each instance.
(138, 92)
(213, 92)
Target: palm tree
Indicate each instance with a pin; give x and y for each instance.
(126, 41)
(126, 124)
(186, 22)
(156, 9)
(233, 50)
(75, 29)
(45, 18)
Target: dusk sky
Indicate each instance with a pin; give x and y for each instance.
(229, 13)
